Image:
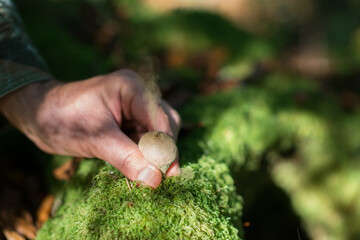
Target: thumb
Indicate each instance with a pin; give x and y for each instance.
(121, 152)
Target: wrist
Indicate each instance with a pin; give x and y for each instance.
(20, 103)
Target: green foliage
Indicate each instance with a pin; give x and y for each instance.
(57, 39)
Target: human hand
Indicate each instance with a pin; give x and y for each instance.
(102, 117)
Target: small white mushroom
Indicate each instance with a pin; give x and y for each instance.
(159, 149)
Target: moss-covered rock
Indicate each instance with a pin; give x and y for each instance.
(195, 205)
(310, 146)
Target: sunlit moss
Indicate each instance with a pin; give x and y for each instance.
(197, 205)
(310, 146)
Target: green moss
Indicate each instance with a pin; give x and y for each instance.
(195, 205)
(311, 148)
(309, 144)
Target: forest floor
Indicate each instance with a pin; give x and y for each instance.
(211, 54)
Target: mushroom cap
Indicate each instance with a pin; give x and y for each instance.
(159, 149)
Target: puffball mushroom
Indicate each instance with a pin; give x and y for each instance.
(159, 149)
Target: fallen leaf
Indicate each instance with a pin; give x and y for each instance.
(44, 210)
(12, 235)
(66, 171)
(25, 226)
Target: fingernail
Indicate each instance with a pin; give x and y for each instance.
(173, 171)
(149, 177)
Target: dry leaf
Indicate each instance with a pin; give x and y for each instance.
(66, 171)
(44, 210)
(12, 235)
(25, 225)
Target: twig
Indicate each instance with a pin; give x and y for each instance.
(298, 233)
(219, 189)
(128, 184)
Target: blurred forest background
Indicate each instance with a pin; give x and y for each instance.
(201, 48)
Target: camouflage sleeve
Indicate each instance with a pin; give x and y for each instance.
(20, 63)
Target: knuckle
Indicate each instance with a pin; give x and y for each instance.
(129, 79)
(128, 72)
(124, 79)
